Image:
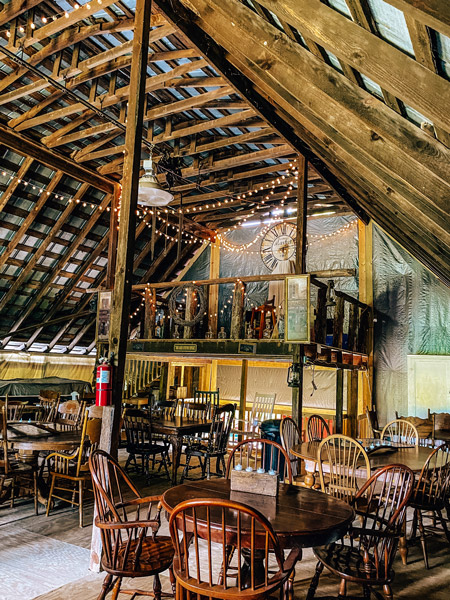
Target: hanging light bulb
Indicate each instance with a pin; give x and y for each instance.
(150, 193)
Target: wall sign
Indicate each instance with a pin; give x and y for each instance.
(103, 316)
(185, 347)
(297, 322)
(247, 348)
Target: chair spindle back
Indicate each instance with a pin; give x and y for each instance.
(317, 428)
(261, 453)
(401, 432)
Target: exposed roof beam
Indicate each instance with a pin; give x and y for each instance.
(391, 68)
(4, 198)
(185, 21)
(434, 13)
(15, 8)
(52, 159)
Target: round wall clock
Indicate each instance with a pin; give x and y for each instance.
(278, 244)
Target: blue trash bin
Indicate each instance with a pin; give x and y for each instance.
(270, 430)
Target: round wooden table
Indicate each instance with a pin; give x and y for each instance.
(412, 457)
(300, 517)
(31, 438)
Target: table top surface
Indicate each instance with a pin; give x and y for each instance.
(180, 425)
(412, 457)
(38, 436)
(299, 516)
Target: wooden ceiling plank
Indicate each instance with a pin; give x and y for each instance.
(15, 240)
(57, 162)
(12, 186)
(386, 65)
(433, 13)
(41, 249)
(15, 8)
(326, 95)
(69, 37)
(423, 50)
(87, 69)
(195, 35)
(107, 100)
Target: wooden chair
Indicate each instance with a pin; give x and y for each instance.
(14, 408)
(367, 558)
(262, 409)
(431, 492)
(70, 415)
(425, 427)
(245, 530)
(138, 430)
(258, 317)
(210, 398)
(15, 475)
(317, 428)
(373, 429)
(401, 432)
(164, 409)
(214, 446)
(49, 403)
(268, 455)
(69, 471)
(128, 525)
(290, 436)
(343, 466)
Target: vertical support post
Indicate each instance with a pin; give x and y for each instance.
(338, 322)
(149, 313)
(163, 381)
(237, 311)
(126, 235)
(300, 267)
(153, 238)
(365, 233)
(339, 400)
(243, 395)
(113, 235)
(214, 273)
(188, 331)
(352, 403)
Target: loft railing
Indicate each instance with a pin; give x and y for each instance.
(337, 319)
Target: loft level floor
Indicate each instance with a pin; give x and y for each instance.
(272, 350)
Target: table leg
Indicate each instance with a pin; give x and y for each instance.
(246, 571)
(177, 444)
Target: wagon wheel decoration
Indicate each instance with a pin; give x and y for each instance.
(201, 305)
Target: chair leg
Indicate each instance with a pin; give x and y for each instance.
(164, 458)
(80, 501)
(315, 581)
(186, 468)
(116, 589)
(208, 467)
(444, 525)
(173, 581)
(35, 491)
(342, 589)
(387, 591)
(105, 587)
(366, 592)
(423, 541)
(403, 545)
(157, 587)
(49, 501)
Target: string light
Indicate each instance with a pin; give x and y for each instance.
(43, 20)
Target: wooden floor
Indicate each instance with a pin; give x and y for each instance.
(47, 559)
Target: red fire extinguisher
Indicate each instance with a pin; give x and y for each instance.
(103, 392)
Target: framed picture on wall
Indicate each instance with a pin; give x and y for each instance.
(297, 321)
(103, 316)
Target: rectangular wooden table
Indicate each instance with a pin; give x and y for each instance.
(176, 429)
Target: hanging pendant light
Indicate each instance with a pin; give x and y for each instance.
(150, 193)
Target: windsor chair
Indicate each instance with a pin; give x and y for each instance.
(214, 445)
(402, 432)
(129, 526)
(244, 529)
(367, 556)
(291, 436)
(260, 453)
(317, 428)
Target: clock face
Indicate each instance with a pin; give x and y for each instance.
(278, 244)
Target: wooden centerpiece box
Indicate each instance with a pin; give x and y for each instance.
(254, 482)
